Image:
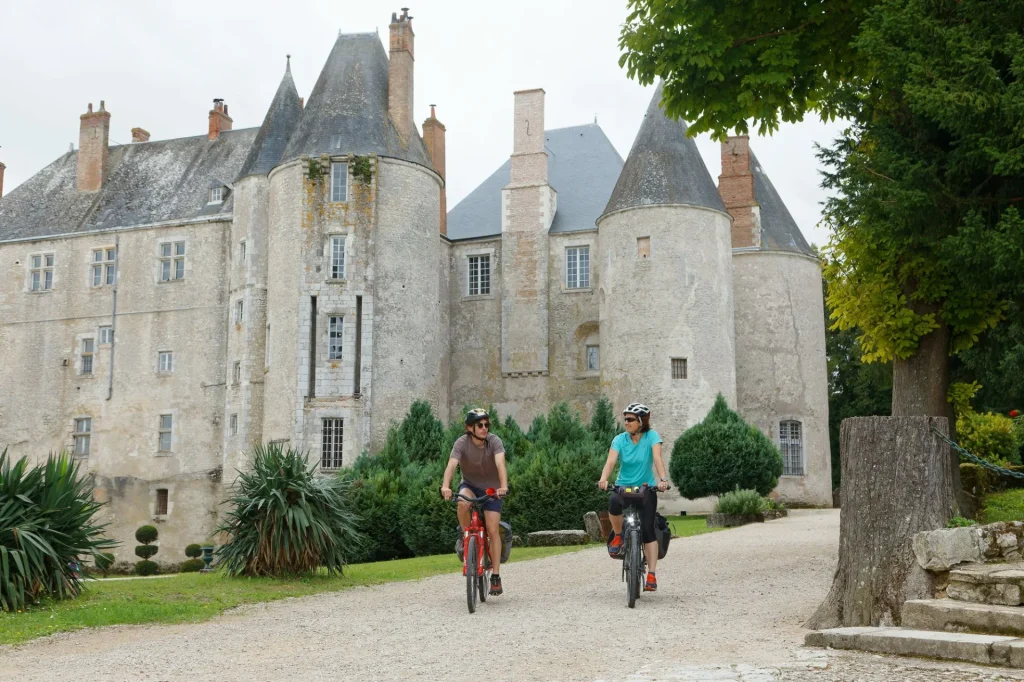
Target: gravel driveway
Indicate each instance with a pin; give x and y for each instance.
(732, 598)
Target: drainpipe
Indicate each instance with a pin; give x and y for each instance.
(113, 315)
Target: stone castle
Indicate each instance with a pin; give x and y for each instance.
(169, 304)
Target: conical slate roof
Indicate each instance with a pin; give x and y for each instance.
(347, 112)
(779, 232)
(663, 167)
(278, 125)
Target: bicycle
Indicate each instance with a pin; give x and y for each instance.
(475, 545)
(633, 552)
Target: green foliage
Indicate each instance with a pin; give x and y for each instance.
(285, 519)
(146, 567)
(361, 168)
(997, 363)
(375, 498)
(603, 426)
(47, 521)
(960, 396)
(723, 453)
(104, 560)
(555, 486)
(741, 502)
(422, 433)
(193, 551)
(989, 436)
(427, 520)
(960, 522)
(771, 504)
(191, 566)
(1003, 506)
(146, 534)
(146, 551)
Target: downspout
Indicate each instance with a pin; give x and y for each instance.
(113, 315)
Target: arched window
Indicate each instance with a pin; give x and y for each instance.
(791, 445)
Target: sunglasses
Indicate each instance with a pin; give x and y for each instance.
(486, 425)
(630, 420)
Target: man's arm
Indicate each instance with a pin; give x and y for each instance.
(499, 461)
(446, 492)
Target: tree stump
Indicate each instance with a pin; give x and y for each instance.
(896, 482)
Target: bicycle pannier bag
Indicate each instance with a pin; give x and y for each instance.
(663, 534)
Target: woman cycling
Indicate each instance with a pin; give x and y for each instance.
(640, 449)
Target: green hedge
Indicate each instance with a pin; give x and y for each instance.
(191, 566)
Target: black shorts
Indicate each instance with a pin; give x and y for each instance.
(648, 509)
(492, 504)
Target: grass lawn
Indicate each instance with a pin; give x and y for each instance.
(1003, 506)
(684, 526)
(194, 597)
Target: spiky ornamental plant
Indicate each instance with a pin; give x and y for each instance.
(47, 521)
(285, 519)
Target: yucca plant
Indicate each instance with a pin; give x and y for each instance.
(47, 521)
(286, 519)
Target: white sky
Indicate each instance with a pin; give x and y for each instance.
(159, 66)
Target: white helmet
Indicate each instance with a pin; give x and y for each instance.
(639, 409)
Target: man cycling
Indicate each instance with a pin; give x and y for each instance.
(480, 456)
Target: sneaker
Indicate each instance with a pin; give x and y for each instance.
(652, 583)
(495, 585)
(615, 545)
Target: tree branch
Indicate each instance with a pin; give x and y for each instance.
(773, 34)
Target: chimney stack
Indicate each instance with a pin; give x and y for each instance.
(433, 138)
(2, 167)
(400, 74)
(736, 186)
(140, 135)
(93, 143)
(529, 160)
(219, 119)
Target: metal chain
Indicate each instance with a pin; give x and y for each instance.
(978, 460)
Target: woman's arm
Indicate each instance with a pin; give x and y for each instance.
(613, 456)
(659, 466)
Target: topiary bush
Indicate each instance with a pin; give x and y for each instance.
(723, 453)
(191, 566)
(740, 503)
(194, 551)
(146, 534)
(146, 551)
(146, 567)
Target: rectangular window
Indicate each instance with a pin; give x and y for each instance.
(104, 267)
(233, 421)
(106, 335)
(337, 258)
(41, 272)
(166, 428)
(678, 368)
(239, 311)
(331, 439)
(266, 350)
(82, 436)
(241, 252)
(172, 261)
(88, 348)
(334, 338)
(593, 359)
(339, 182)
(791, 445)
(216, 195)
(166, 361)
(577, 267)
(479, 275)
(643, 248)
(236, 373)
(161, 502)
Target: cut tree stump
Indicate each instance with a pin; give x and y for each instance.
(896, 482)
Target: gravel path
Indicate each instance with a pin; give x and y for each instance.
(729, 607)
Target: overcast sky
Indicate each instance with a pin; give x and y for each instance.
(159, 66)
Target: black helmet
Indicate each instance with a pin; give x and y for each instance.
(475, 415)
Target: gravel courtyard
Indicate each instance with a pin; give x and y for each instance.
(729, 607)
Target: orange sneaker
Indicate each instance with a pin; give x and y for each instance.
(652, 583)
(615, 545)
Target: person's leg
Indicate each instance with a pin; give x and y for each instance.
(463, 507)
(615, 512)
(491, 519)
(650, 538)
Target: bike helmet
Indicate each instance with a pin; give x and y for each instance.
(475, 415)
(639, 409)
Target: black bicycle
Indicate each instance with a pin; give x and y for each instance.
(633, 552)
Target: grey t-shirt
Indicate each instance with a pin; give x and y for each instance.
(477, 462)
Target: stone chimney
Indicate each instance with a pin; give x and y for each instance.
(219, 119)
(2, 167)
(400, 74)
(433, 138)
(140, 135)
(93, 149)
(736, 185)
(529, 160)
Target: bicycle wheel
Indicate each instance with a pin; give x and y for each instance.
(633, 579)
(471, 576)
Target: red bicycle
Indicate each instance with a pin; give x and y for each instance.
(476, 559)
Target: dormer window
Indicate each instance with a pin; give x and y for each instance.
(216, 195)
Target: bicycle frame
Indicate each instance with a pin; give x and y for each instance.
(475, 568)
(478, 529)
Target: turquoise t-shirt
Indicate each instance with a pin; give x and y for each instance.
(636, 459)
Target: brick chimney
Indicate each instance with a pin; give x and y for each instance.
(219, 119)
(433, 138)
(93, 143)
(2, 166)
(736, 185)
(140, 135)
(400, 72)
(529, 160)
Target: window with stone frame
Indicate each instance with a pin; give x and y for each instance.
(791, 445)
(236, 372)
(337, 269)
(104, 267)
(172, 261)
(679, 369)
(165, 361)
(88, 355)
(593, 358)
(577, 267)
(106, 335)
(239, 311)
(339, 181)
(161, 507)
(82, 436)
(242, 250)
(216, 195)
(165, 432)
(233, 425)
(479, 275)
(40, 272)
(331, 440)
(334, 337)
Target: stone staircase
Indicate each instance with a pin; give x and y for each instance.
(981, 620)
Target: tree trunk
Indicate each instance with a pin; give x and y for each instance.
(895, 483)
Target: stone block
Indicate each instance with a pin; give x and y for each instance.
(958, 646)
(731, 520)
(1006, 541)
(552, 538)
(958, 616)
(593, 526)
(939, 550)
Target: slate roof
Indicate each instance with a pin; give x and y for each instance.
(779, 232)
(582, 168)
(278, 125)
(663, 167)
(147, 182)
(347, 111)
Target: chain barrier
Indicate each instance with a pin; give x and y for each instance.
(978, 460)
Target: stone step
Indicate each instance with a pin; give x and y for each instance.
(953, 646)
(988, 583)
(948, 615)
